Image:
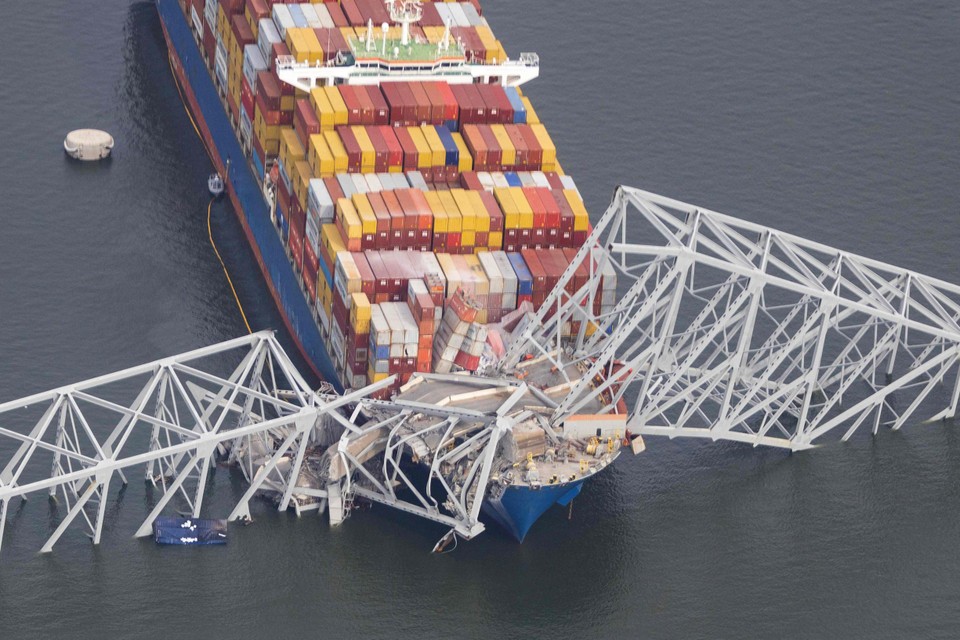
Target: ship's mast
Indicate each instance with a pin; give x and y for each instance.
(404, 13)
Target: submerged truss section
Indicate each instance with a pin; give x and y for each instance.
(730, 330)
(170, 420)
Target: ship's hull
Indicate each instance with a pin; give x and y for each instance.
(518, 507)
(243, 189)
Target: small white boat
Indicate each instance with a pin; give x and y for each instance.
(215, 184)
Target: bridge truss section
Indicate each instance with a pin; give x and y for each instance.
(729, 330)
(170, 420)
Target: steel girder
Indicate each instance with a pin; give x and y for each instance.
(729, 330)
(167, 417)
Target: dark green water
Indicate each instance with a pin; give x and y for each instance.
(835, 120)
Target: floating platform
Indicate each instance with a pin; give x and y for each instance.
(189, 531)
(88, 144)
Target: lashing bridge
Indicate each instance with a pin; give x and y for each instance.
(723, 329)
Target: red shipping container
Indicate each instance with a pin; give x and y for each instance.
(336, 14)
(431, 17)
(451, 111)
(519, 143)
(241, 31)
(539, 211)
(296, 247)
(309, 278)
(469, 180)
(352, 147)
(550, 205)
(209, 43)
(234, 107)
(305, 122)
(490, 101)
(534, 151)
(410, 153)
(425, 214)
(395, 209)
(311, 263)
(493, 210)
(382, 214)
(494, 154)
(394, 100)
(333, 188)
(436, 102)
(472, 108)
(381, 112)
(366, 105)
(422, 102)
(477, 146)
(246, 97)
(394, 150)
(381, 152)
(352, 102)
(352, 12)
(368, 282)
(268, 91)
(554, 179)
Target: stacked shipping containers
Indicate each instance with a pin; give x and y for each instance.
(415, 212)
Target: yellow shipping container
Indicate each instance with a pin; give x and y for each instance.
(523, 207)
(335, 144)
(351, 221)
(454, 219)
(368, 219)
(314, 48)
(532, 117)
(508, 151)
(549, 150)
(440, 218)
(290, 148)
(368, 154)
(466, 160)
(332, 240)
(340, 113)
(511, 214)
(438, 153)
(581, 219)
(424, 153)
(322, 107)
(468, 239)
(495, 241)
(321, 159)
(479, 211)
(360, 313)
(302, 184)
(467, 214)
(288, 102)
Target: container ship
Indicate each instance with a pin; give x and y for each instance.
(407, 209)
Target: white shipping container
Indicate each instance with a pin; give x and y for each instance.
(415, 178)
(373, 183)
(471, 13)
(326, 22)
(540, 179)
(310, 15)
(282, 18)
(486, 180)
(210, 8)
(267, 36)
(492, 271)
(297, 14)
(220, 63)
(359, 183)
(319, 201)
(197, 21)
(459, 17)
(499, 180)
(526, 179)
(346, 185)
(444, 10)
(253, 63)
(509, 276)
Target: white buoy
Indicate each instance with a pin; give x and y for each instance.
(88, 144)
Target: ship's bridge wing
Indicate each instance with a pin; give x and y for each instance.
(726, 329)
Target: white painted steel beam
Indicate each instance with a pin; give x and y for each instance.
(729, 330)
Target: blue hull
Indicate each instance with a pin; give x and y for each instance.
(519, 507)
(202, 99)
